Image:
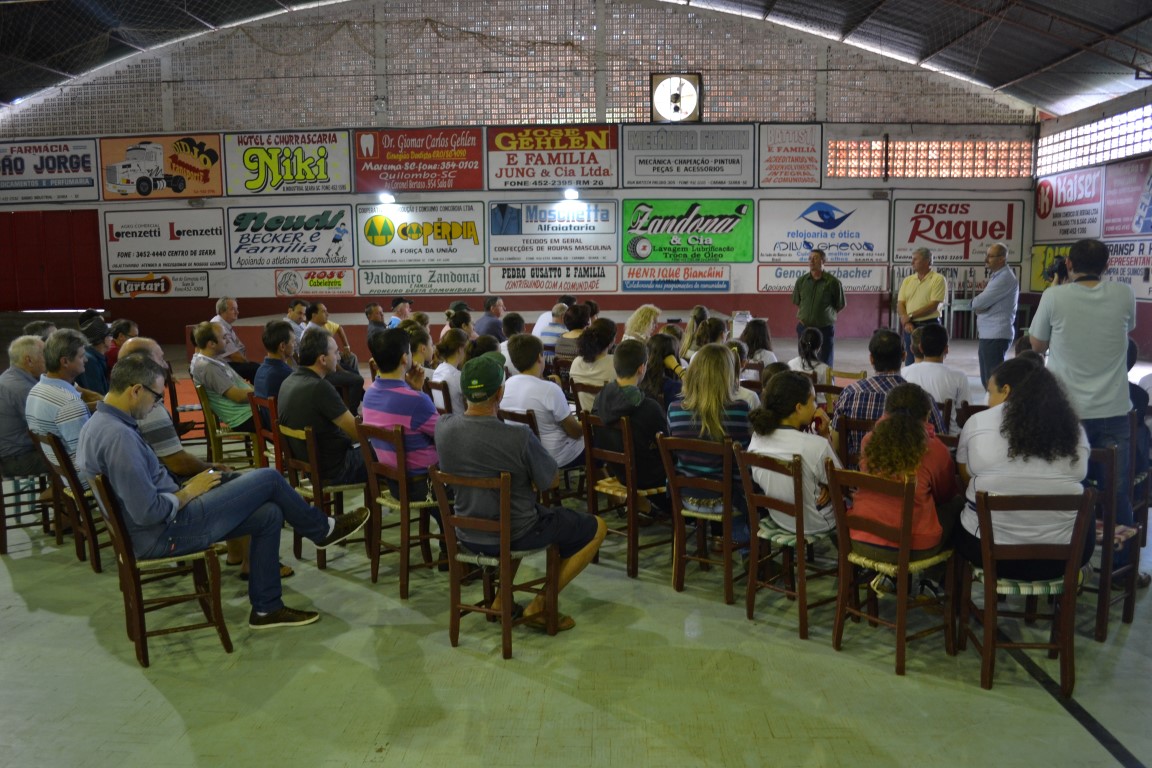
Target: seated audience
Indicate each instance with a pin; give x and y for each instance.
(688, 343)
(1028, 442)
(232, 350)
(317, 316)
(740, 360)
(938, 380)
(808, 361)
(480, 345)
(401, 311)
(121, 331)
(781, 430)
(560, 433)
(461, 319)
(551, 332)
(661, 380)
(296, 318)
(451, 351)
(227, 391)
(279, 339)
(19, 455)
(641, 324)
(759, 341)
(41, 328)
(95, 374)
(374, 314)
(594, 366)
(622, 397)
(554, 316)
(712, 330)
(55, 406)
(489, 323)
(512, 324)
(576, 319)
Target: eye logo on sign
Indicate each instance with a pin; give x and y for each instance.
(824, 215)
(379, 230)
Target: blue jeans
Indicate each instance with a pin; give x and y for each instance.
(991, 353)
(1105, 433)
(253, 504)
(827, 347)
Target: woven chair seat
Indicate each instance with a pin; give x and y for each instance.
(612, 486)
(158, 562)
(702, 508)
(386, 499)
(305, 488)
(476, 558)
(889, 569)
(1120, 537)
(782, 537)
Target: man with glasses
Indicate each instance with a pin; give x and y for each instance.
(995, 309)
(166, 519)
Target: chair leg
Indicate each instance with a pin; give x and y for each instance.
(505, 589)
(679, 552)
(753, 584)
(846, 583)
(901, 620)
(455, 574)
(728, 554)
(373, 540)
(801, 570)
(950, 606)
(988, 645)
(405, 549)
(633, 536)
(1066, 620)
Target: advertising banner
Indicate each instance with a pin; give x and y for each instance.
(856, 278)
(553, 231)
(688, 231)
(846, 230)
(1128, 199)
(161, 167)
(153, 285)
(552, 156)
(677, 278)
(285, 163)
(290, 236)
(1044, 258)
(52, 171)
(420, 233)
(316, 282)
(721, 156)
(790, 155)
(1130, 261)
(405, 281)
(402, 159)
(958, 230)
(165, 240)
(1069, 205)
(572, 278)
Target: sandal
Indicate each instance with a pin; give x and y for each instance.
(1143, 580)
(286, 572)
(540, 621)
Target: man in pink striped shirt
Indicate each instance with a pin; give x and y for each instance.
(397, 397)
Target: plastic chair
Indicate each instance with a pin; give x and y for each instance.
(1061, 641)
(202, 566)
(497, 571)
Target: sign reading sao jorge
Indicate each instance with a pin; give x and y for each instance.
(552, 156)
(287, 163)
(57, 170)
(957, 230)
(401, 159)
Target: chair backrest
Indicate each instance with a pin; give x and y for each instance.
(989, 506)
(211, 425)
(760, 503)
(527, 418)
(1106, 460)
(756, 367)
(265, 420)
(63, 470)
(831, 394)
(596, 454)
(441, 397)
(378, 470)
(841, 482)
(853, 375)
(562, 367)
(588, 390)
(175, 409)
(373, 368)
(945, 409)
(502, 525)
(681, 484)
(848, 427)
(965, 411)
(114, 518)
(302, 472)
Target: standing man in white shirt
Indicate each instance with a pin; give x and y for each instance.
(995, 309)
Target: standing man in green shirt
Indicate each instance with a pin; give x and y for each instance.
(819, 296)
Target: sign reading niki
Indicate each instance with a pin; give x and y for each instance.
(290, 236)
(151, 167)
(688, 231)
(701, 155)
(401, 159)
(287, 163)
(957, 230)
(55, 171)
(552, 156)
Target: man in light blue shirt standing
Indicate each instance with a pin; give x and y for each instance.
(995, 309)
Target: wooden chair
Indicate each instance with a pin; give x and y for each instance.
(627, 493)
(440, 394)
(1141, 482)
(304, 475)
(497, 571)
(831, 394)
(265, 419)
(224, 445)
(856, 569)
(203, 567)
(684, 493)
(965, 411)
(945, 409)
(381, 479)
(552, 496)
(850, 375)
(86, 527)
(584, 404)
(1063, 590)
(20, 499)
(1110, 539)
(373, 369)
(845, 429)
(562, 367)
(188, 419)
(793, 547)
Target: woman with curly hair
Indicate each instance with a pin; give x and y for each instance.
(707, 410)
(451, 351)
(688, 339)
(903, 444)
(759, 340)
(642, 323)
(1029, 441)
(781, 423)
(661, 379)
(594, 366)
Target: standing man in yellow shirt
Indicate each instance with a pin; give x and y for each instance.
(920, 299)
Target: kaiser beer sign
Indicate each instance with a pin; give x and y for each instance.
(957, 230)
(1069, 206)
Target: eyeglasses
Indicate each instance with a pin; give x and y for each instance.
(159, 396)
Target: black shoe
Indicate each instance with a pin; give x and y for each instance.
(285, 617)
(346, 525)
